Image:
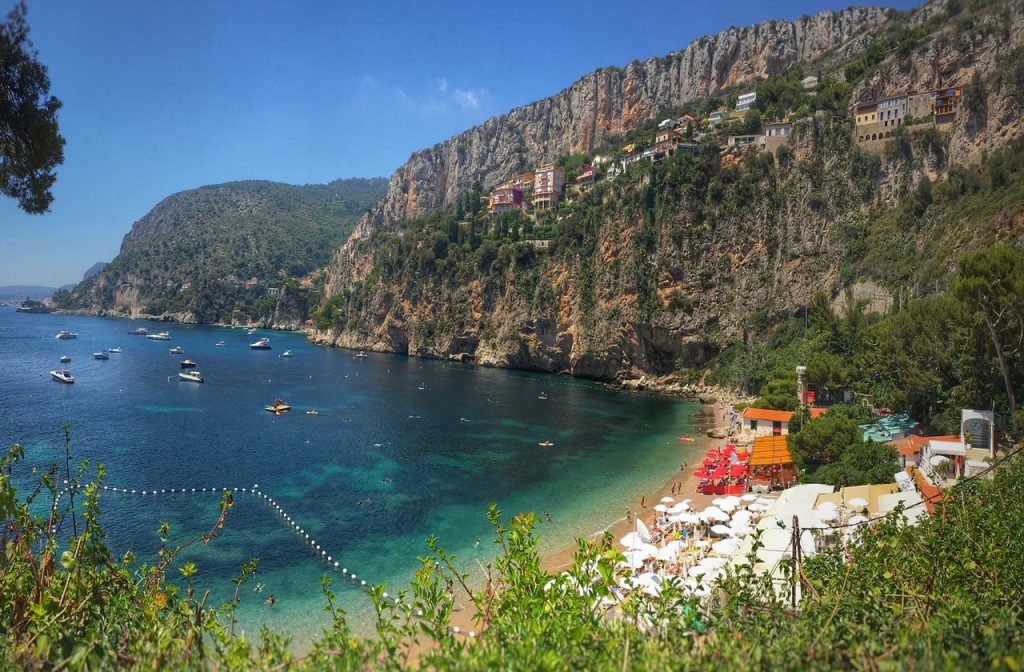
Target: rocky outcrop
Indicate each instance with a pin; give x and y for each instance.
(597, 106)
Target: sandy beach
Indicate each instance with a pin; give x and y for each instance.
(683, 480)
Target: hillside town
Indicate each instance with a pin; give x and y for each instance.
(872, 121)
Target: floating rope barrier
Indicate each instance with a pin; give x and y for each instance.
(322, 553)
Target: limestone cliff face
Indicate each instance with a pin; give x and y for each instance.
(606, 102)
(673, 273)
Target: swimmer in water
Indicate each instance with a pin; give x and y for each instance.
(270, 601)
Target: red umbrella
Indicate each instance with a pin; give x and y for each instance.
(702, 474)
(712, 453)
(743, 456)
(738, 470)
(729, 450)
(720, 472)
(709, 462)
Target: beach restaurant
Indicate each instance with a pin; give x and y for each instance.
(771, 463)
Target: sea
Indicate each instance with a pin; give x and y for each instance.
(400, 449)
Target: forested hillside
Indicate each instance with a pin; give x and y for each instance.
(211, 254)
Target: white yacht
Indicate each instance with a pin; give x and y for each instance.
(219, 344)
(64, 359)
(177, 350)
(162, 336)
(141, 331)
(262, 344)
(114, 350)
(100, 355)
(65, 335)
(191, 376)
(63, 375)
(286, 353)
(361, 354)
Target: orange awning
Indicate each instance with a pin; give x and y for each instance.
(770, 450)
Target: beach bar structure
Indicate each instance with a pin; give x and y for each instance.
(771, 462)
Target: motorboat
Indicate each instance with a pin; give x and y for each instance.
(312, 411)
(262, 344)
(63, 375)
(188, 364)
(191, 376)
(546, 444)
(250, 332)
(162, 336)
(64, 359)
(100, 355)
(114, 350)
(278, 407)
(542, 396)
(286, 353)
(219, 344)
(177, 350)
(361, 354)
(141, 331)
(65, 335)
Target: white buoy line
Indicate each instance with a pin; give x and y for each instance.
(274, 506)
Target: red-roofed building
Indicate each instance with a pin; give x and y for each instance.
(930, 492)
(909, 447)
(765, 422)
(817, 411)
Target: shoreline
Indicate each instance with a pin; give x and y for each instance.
(636, 381)
(559, 559)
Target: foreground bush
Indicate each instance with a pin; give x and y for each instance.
(947, 594)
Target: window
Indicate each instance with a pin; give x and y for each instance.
(776, 427)
(753, 425)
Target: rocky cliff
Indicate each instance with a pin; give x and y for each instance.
(607, 102)
(659, 270)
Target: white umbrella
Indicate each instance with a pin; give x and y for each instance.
(660, 508)
(858, 503)
(749, 497)
(857, 520)
(649, 583)
(742, 515)
(685, 518)
(631, 540)
(742, 531)
(726, 546)
(721, 530)
(713, 513)
(667, 553)
(679, 508)
(729, 506)
(713, 563)
(642, 530)
(667, 500)
(936, 460)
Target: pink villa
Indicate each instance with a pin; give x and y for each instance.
(547, 186)
(505, 197)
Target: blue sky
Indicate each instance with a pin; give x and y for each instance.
(165, 96)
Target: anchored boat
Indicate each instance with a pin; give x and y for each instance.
(63, 375)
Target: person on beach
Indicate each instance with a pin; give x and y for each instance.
(628, 519)
(643, 498)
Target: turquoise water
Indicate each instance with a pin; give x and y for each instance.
(420, 461)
